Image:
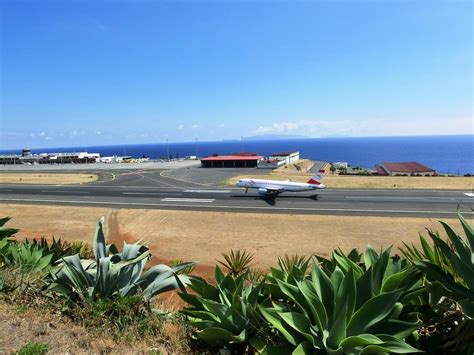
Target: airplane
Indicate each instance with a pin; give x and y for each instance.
(271, 188)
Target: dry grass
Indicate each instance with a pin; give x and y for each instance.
(22, 325)
(203, 236)
(46, 178)
(375, 182)
(299, 167)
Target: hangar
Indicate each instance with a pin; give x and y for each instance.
(231, 161)
(405, 168)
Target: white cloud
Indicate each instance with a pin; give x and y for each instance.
(99, 133)
(222, 125)
(42, 134)
(375, 127)
(194, 126)
(180, 126)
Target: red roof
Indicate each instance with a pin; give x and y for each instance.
(232, 157)
(282, 154)
(380, 170)
(408, 167)
(244, 154)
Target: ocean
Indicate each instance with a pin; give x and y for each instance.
(446, 154)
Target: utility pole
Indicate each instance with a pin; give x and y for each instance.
(167, 150)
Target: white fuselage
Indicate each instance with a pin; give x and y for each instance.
(277, 185)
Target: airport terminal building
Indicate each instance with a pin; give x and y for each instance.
(231, 161)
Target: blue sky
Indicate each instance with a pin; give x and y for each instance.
(112, 72)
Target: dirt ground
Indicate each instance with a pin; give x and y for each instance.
(203, 236)
(22, 325)
(376, 182)
(46, 178)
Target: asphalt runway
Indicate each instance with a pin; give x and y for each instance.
(158, 189)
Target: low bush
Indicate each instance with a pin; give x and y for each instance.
(115, 274)
(61, 248)
(226, 314)
(34, 349)
(237, 262)
(349, 309)
(449, 269)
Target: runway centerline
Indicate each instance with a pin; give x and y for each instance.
(196, 200)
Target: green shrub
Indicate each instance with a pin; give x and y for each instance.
(348, 308)
(34, 349)
(225, 314)
(449, 269)
(5, 240)
(115, 274)
(6, 232)
(29, 258)
(60, 248)
(237, 262)
(288, 262)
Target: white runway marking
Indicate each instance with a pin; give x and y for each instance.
(470, 194)
(150, 193)
(401, 198)
(210, 191)
(171, 199)
(66, 191)
(273, 208)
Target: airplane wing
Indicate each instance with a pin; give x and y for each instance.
(270, 190)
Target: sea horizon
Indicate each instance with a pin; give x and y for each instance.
(446, 153)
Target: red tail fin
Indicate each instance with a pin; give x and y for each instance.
(317, 179)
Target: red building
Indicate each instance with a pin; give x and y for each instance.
(404, 168)
(231, 161)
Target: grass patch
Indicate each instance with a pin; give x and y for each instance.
(46, 178)
(130, 320)
(373, 182)
(34, 349)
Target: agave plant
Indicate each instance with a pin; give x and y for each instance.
(115, 274)
(451, 263)
(185, 271)
(57, 247)
(224, 314)
(288, 262)
(353, 309)
(254, 275)
(28, 258)
(237, 262)
(449, 267)
(5, 241)
(6, 232)
(329, 264)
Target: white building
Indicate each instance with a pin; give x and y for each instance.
(287, 157)
(340, 165)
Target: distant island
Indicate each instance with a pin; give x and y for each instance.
(268, 137)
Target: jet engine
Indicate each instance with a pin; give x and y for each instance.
(262, 191)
